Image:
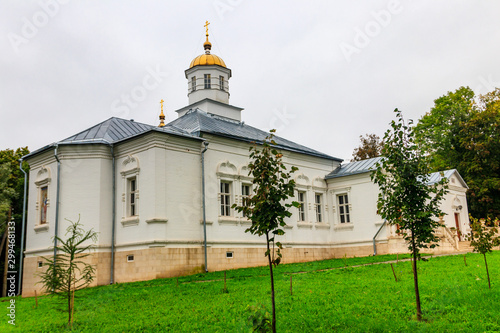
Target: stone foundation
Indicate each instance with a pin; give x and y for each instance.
(162, 262)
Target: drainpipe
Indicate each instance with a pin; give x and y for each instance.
(112, 269)
(23, 222)
(379, 229)
(205, 143)
(56, 225)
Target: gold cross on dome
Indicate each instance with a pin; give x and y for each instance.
(206, 27)
(161, 102)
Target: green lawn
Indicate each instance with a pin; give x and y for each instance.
(454, 297)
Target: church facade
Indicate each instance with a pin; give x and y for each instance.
(160, 196)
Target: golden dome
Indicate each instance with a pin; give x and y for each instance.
(206, 60)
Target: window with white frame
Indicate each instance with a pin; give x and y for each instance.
(225, 198)
(207, 81)
(318, 203)
(301, 199)
(193, 83)
(245, 195)
(343, 205)
(131, 195)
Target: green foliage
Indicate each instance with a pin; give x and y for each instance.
(272, 186)
(371, 146)
(483, 237)
(267, 207)
(6, 194)
(437, 132)
(259, 318)
(480, 161)
(15, 178)
(365, 299)
(67, 272)
(462, 131)
(406, 199)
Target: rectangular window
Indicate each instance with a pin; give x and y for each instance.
(208, 82)
(245, 195)
(343, 201)
(44, 203)
(221, 82)
(132, 190)
(193, 83)
(318, 198)
(225, 199)
(301, 198)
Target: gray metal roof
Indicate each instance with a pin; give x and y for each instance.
(354, 168)
(113, 130)
(370, 164)
(197, 121)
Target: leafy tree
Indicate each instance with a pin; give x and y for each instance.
(67, 272)
(480, 161)
(405, 197)
(483, 239)
(266, 208)
(371, 146)
(11, 198)
(437, 132)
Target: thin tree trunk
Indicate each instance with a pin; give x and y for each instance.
(487, 273)
(69, 299)
(272, 283)
(415, 278)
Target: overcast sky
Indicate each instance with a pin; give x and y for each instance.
(321, 72)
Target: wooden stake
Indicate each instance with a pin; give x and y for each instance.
(177, 281)
(397, 258)
(465, 261)
(36, 300)
(291, 292)
(225, 281)
(394, 273)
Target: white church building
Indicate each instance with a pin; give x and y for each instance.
(160, 196)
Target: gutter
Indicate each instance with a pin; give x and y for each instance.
(205, 143)
(378, 231)
(113, 231)
(23, 222)
(56, 225)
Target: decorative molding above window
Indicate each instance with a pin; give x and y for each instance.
(319, 184)
(130, 166)
(43, 176)
(227, 169)
(301, 180)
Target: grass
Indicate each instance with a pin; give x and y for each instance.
(454, 297)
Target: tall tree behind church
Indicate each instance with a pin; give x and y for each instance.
(371, 146)
(462, 131)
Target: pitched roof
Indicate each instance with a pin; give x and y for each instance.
(370, 164)
(111, 131)
(354, 168)
(197, 121)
